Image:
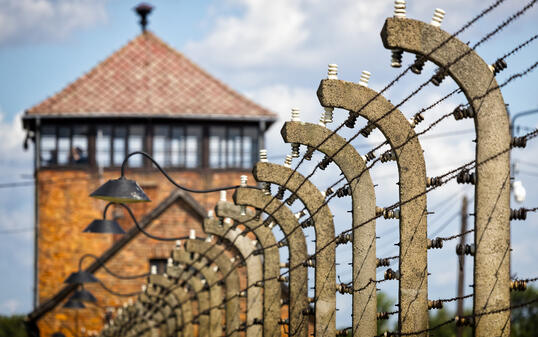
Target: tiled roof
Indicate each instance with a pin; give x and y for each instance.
(148, 78)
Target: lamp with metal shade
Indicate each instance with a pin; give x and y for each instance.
(74, 304)
(83, 295)
(121, 190)
(81, 277)
(104, 226)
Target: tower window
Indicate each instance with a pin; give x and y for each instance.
(64, 145)
(232, 147)
(159, 264)
(177, 146)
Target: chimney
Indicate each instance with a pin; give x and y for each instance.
(143, 10)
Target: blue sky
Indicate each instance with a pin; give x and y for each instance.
(275, 52)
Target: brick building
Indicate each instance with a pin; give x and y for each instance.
(144, 97)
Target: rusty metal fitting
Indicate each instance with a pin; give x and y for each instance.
(259, 284)
(416, 120)
(518, 142)
(464, 321)
(295, 150)
(518, 285)
(518, 214)
(283, 279)
(266, 188)
(328, 192)
(311, 300)
(392, 275)
(388, 156)
(498, 66)
(367, 130)
(342, 333)
(242, 294)
(284, 265)
(291, 199)
(436, 243)
(439, 76)
(309, 152)
(343, 191)
(300, 214)
(280, 193)
(434, 181)
(257, 321)
(418, 65)
(379, 211)
(343, 288)
(396, 58)
(282, 243)
(382, 262)
(383, 315)
(464, 177)
(344, 238)
(307, 223)
(391, 214)
(351, 120)
(460, 112)
(257, 251)
(325, 162)
(369, 156)
(287, 161)
(310, 262)
(465, 249)
(435, 304)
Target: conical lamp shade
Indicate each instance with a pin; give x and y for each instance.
(83, 295)
(72, 304)
(104, 226)
(120, 191)
(81, 277)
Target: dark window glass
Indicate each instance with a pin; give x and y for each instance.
(178, 147)
(217, 147)
(49, 154)
(250, 147)
(104, 134)
(118, 145)
(79, 147)
(160, 145)
(64, 145)
(233, 157)
(159, 264)
(136, 143)
(193, 148)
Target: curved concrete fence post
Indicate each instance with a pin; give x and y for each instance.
(271, 264)
(492, 192)
(413, 285)
(231, 281)
(246, 248)
(298, 283)
(352, 166)
(184, 299)
(212, 278)
(325, 263)
(198, 287)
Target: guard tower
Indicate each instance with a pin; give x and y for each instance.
(144, 97)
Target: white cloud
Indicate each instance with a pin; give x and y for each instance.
(46, 20)
(10, 306)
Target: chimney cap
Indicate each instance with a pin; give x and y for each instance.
(143, 10)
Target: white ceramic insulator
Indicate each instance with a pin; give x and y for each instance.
(203, 281)
(170, 261)
(399, 8)
(295, 115)
(287, 161)
(271, 225)
(192, 234)
(210, 213)
(365, 77)
(144, 287)
(232, 260)
(243, 181)
(437, 18)
(263, 155)
(153, 270)
(254, 243)
(209, 238)
(222, 195)
(216, 269)
(333, 71)
(328, 115)
(178, 244)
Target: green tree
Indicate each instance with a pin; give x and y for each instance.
(525, 319)
(12, 326)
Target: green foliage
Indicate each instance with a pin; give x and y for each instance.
(384, 304)
(439, 318)
(12, 326)
(525, 319)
